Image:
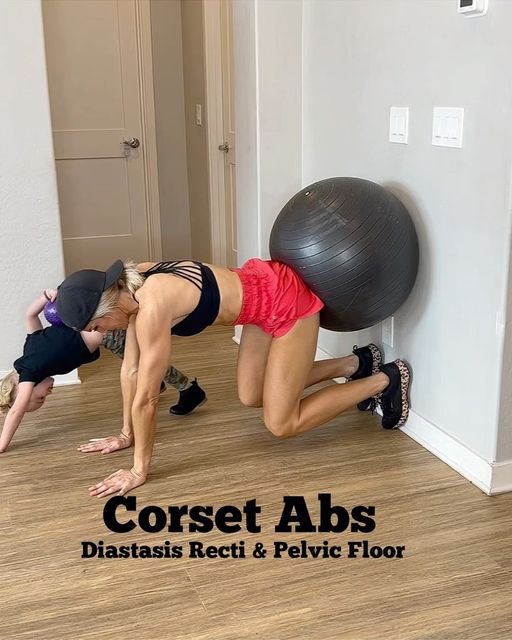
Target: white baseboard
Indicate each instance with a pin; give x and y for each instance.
(67, 379)
(490, 477)
(238, 333)
(501, 477)
(476, 469)
(322, 354)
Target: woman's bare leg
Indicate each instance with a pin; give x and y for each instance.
(332, 368)
(252, 361)
(289, 363)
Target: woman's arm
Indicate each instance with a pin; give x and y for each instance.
(128, 379)
(32, 321)
(153, 336)
(15, 414)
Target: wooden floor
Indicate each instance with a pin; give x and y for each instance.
(455, 582)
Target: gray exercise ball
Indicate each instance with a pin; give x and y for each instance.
(354, 244)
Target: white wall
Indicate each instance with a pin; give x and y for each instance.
(280, 108)
(504, 445)
(361, 57)
(30, 239)
(268, 41)
(247, 128)
(358, 58)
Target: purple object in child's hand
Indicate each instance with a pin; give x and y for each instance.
(51, 314)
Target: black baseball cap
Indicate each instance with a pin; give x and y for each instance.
(79, 295)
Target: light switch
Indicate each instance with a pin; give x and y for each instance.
(447, 127)
(399, 124)
(472, 8)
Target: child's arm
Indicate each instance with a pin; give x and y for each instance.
(15, 414)
(92, 339)
(32, 321)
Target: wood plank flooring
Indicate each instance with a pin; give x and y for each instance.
(455, 582)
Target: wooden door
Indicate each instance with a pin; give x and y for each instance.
(95, 95)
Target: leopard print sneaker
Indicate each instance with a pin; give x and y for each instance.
(394, 400)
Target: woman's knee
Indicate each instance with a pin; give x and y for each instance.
(250, 397)
(280, 427)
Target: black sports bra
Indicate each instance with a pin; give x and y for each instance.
(202, 277)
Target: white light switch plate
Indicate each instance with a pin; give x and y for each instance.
(447, 127)
(399, 124)
(473, 8)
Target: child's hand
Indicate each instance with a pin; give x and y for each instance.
(106, 445)
(50, 294)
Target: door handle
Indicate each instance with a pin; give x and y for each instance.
(133, 143)
(224, 147)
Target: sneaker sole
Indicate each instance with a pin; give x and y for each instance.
(405, 379)
(184, 415)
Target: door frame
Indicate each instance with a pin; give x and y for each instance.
(148, 128)
(215, 129)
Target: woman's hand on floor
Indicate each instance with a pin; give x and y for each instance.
(107, 445)
(119, 482)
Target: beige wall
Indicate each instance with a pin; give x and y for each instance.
(197, 149)
(170, 128)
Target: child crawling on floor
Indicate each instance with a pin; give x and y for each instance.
(57, 350)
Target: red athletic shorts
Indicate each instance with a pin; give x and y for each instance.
(274, 297)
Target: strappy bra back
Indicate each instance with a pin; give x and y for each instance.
(202, 277)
